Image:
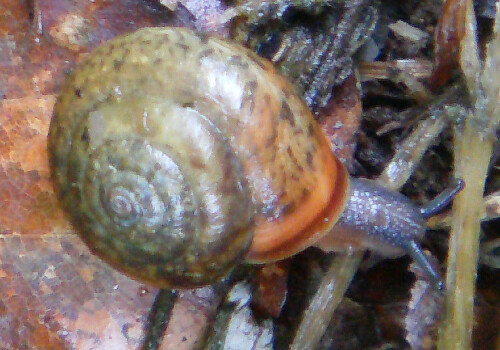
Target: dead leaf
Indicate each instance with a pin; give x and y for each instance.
(447, 38)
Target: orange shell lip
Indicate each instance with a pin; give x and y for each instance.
(299, 230)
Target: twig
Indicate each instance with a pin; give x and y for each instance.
(403, 164)
(490, 211)
(473, 150)
(325, 301)
(158, 318)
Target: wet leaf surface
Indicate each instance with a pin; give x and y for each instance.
(56, 295)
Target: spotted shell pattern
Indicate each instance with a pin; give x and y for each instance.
(179, 154)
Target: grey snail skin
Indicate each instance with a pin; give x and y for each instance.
(179, 155)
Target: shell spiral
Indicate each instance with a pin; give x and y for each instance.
(172, 150)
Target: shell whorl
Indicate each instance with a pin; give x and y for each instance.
(151, 183)
(171, 150)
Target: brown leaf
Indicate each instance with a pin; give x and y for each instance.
(341, 118)
(192, 314)
(56, 295)
(271, 287)
(26, 196)
(447, 37)
(207, 15)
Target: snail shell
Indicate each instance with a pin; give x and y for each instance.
(178, 155)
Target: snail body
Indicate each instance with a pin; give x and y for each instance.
(178, 155)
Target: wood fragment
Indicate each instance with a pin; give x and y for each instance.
(475, 142)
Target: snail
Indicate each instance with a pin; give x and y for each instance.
(179, 155)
